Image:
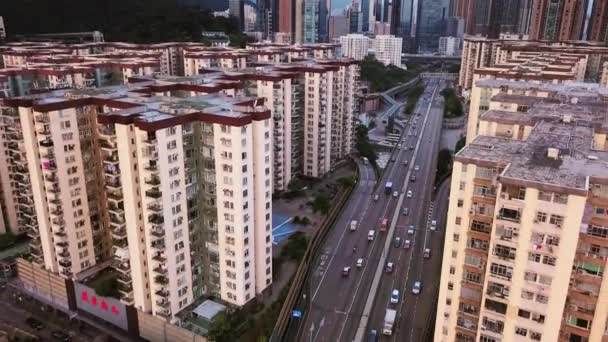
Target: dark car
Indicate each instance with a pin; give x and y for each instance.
(373, 336)
(34, 323)
(60, 336)
(413, 179)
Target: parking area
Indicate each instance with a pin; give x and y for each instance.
(25, 316)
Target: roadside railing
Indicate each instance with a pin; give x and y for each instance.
(299, 279)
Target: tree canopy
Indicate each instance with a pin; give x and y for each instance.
(139, 21)
(363, 145)
(452, 104)
(381, 77)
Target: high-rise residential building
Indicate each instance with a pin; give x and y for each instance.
(597, 27)
(526, 239)
(387, 49)
(338, 26)
(510, 56)
(169, 179)
(557, 20)
(455, 27)
(2, 29)
(355, 46)
(431, 24)
(449, 46)
(250, 18)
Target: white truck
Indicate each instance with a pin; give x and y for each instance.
(389, 321)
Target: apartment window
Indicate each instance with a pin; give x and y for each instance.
(557, 220)
(523, 313)
(462, 185)
(535, 336)
(541, 217)
(460, 203)
(456, 237)
(450, 285)
(452, 270)
(535, 257)
(527, 295)
(501, 270)
(521, 331)
(244, 155)
(65, 124)
(458, 220)
(598, 231)
(544, 196)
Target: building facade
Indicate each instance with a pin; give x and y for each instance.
(387, 49)
(525, 246)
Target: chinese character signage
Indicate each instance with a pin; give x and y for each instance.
(106, 308)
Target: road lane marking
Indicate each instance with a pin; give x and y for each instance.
(375, 282)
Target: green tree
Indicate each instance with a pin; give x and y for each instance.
(221, 329)
(452, 105)
(444, 164)
(381, 77)
(363, 145)
(460, 144)
(107, 287)
(346, 182)
(321, 204)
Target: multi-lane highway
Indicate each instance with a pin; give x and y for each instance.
(336, 305)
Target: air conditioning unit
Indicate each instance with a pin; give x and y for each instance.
(558, 225)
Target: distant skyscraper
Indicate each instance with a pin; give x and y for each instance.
(310, 18)
(557, 19)
(431, 24)
(354, 18)
(324, 13)
(598, 25)
(338, 26)
(286, 16)
(235, 9)
(365, 8)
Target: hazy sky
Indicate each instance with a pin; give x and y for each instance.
(339, 4)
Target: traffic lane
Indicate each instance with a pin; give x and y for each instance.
(337, 305)
(412, 329)
(349, 326)
(418, 217)
(382, 290)
(424, 316)
(336, 236)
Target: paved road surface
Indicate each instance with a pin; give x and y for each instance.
(336, 303)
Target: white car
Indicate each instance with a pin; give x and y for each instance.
(410, 229)
(417, 168)
(405, 162)
(417, 288)
(359, 262)
(395, 296)
(433, 225)
(409, 194)
(395, 193)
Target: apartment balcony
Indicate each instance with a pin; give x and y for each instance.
(66, 272)
(163, 303)
(46, 143)
(111, 170)
(581, 311)
(583, 296)
(42, 118)
(467, 324)
(511, 215)
(119, 233)
(117, 220)
(589, 276)
(121, 266)
(567, 330)
(114, 196)
(64, 263)
(120, 241)
(158, 232)
(110, 158)
(33, 233)
(591, 257)
(126, 297)
(594, 240)
(155, 208)
(107, 131)
(112, 183)
(152, 181)
(162, 293)
(153, 193)
(159, 257)
(161, 280)
(124, 279)
(60, 233)
(108, 146)
(160, 270)
(166, 313)
(156, 219)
